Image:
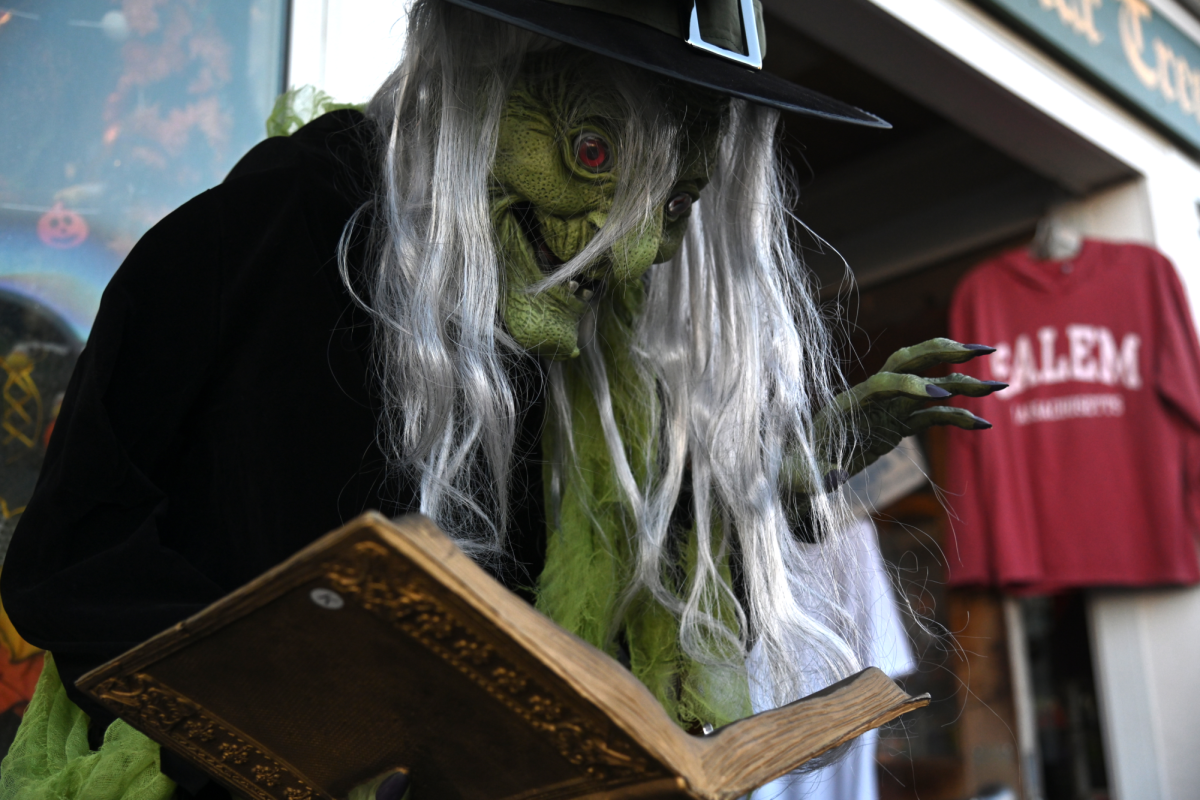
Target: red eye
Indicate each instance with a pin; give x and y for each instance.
(593, 152)
(679, 205)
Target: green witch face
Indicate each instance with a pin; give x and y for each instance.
(558, 165)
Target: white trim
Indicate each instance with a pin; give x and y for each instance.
(1011, 61)
(1130, 724)
(345, 47)
(1023, 702)
(1182, 19)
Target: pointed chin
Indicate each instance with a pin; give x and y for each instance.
(535, 245)
(543, 324)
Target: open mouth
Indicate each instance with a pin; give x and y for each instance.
(583, 288)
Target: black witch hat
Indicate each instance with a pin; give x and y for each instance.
(717, 44)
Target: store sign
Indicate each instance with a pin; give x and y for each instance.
(1128, 46)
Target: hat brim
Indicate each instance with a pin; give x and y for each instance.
(658, 51)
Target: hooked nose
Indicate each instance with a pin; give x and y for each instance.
(597, 219)
(633, 254)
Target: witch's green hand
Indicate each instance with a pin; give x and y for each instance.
(392, 785)
(891, 405)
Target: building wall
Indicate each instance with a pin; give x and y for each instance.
(1146, 642)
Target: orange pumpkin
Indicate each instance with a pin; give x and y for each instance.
(62, 228)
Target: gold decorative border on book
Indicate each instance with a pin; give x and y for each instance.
(170, 717)
(404, 597)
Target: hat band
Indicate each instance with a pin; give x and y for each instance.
(750, 34)
(719, 27)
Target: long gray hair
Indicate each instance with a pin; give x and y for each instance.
(729, 341)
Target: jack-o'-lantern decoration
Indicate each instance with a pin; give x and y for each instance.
(62, 228)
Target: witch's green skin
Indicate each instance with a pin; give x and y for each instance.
(543, 188)
(891, 405)
(545, 196)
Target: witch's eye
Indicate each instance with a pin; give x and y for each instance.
(593, 152)
(679, 205)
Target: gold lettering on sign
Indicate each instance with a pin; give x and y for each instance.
(1079, 16)
(1129, 22)
(1171, 75)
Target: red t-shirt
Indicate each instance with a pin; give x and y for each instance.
(1089, 477)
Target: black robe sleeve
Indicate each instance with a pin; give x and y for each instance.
(220, 418)
(96, 510)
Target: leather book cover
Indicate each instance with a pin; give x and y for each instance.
(382, 646)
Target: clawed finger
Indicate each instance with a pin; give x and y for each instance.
(889, 385)
(966, 385)
(945, 415)
(931, 353)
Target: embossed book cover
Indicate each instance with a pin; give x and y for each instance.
(382, 646)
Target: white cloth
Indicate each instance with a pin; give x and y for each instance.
(871, 592)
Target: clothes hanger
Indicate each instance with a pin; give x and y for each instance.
(1055, 240)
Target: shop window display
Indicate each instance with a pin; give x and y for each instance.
(1064, 695)
(116, 112)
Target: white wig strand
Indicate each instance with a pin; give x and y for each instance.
(730, 342)
(449, 415)
(742, 359)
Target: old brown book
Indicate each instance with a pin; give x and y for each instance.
(381, 646)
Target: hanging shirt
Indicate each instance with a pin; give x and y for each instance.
(1088, 476)
(871, 599)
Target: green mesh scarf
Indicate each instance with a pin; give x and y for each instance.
(50, 758)
(589, 555)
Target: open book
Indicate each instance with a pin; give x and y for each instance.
(382, 646)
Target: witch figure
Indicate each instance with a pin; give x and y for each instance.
(543, 291)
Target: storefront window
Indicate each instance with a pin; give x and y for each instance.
(115, 113)
(1064, 695)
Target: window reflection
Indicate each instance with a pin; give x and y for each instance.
(115, 112)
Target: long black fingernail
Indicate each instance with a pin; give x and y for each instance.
(981, 424)
(393, 788)
(935, 391)
(995, 384)
(835, 478)
(982, 349)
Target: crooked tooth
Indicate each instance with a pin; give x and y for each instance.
(572, 286)
(586, 294)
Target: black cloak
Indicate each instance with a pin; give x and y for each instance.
(222, 415)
